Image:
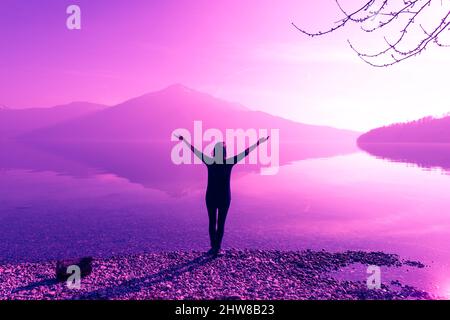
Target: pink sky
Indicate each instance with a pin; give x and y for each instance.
(243, 51)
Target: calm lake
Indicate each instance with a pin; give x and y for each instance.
(59, 202)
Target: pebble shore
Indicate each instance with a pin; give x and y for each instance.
(235, 275)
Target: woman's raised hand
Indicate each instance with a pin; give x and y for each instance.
(179, 137)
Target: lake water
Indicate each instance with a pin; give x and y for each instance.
(58, 202)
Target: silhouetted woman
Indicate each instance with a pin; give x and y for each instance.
(218, 193)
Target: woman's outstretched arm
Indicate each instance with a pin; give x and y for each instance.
(247, 151)
(197, 152)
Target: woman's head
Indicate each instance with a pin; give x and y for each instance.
(220, 151)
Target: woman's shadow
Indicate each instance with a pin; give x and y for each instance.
(135, 285)
(129, 286)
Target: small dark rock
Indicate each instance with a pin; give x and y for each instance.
(85, 265)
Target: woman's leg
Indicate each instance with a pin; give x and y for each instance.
(222, 216)
(212, 224)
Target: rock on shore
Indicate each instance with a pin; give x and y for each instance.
(237, 274)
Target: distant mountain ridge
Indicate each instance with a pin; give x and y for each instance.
(155, 115)
(14, 122)
(425, 130)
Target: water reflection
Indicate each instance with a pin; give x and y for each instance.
(428, 156)
(147, 164)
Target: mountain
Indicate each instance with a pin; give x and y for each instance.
(154, 116)
(132, 140)
(425, 130)
(424, 142)
(14, 122)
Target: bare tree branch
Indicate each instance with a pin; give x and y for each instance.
(404, 17)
